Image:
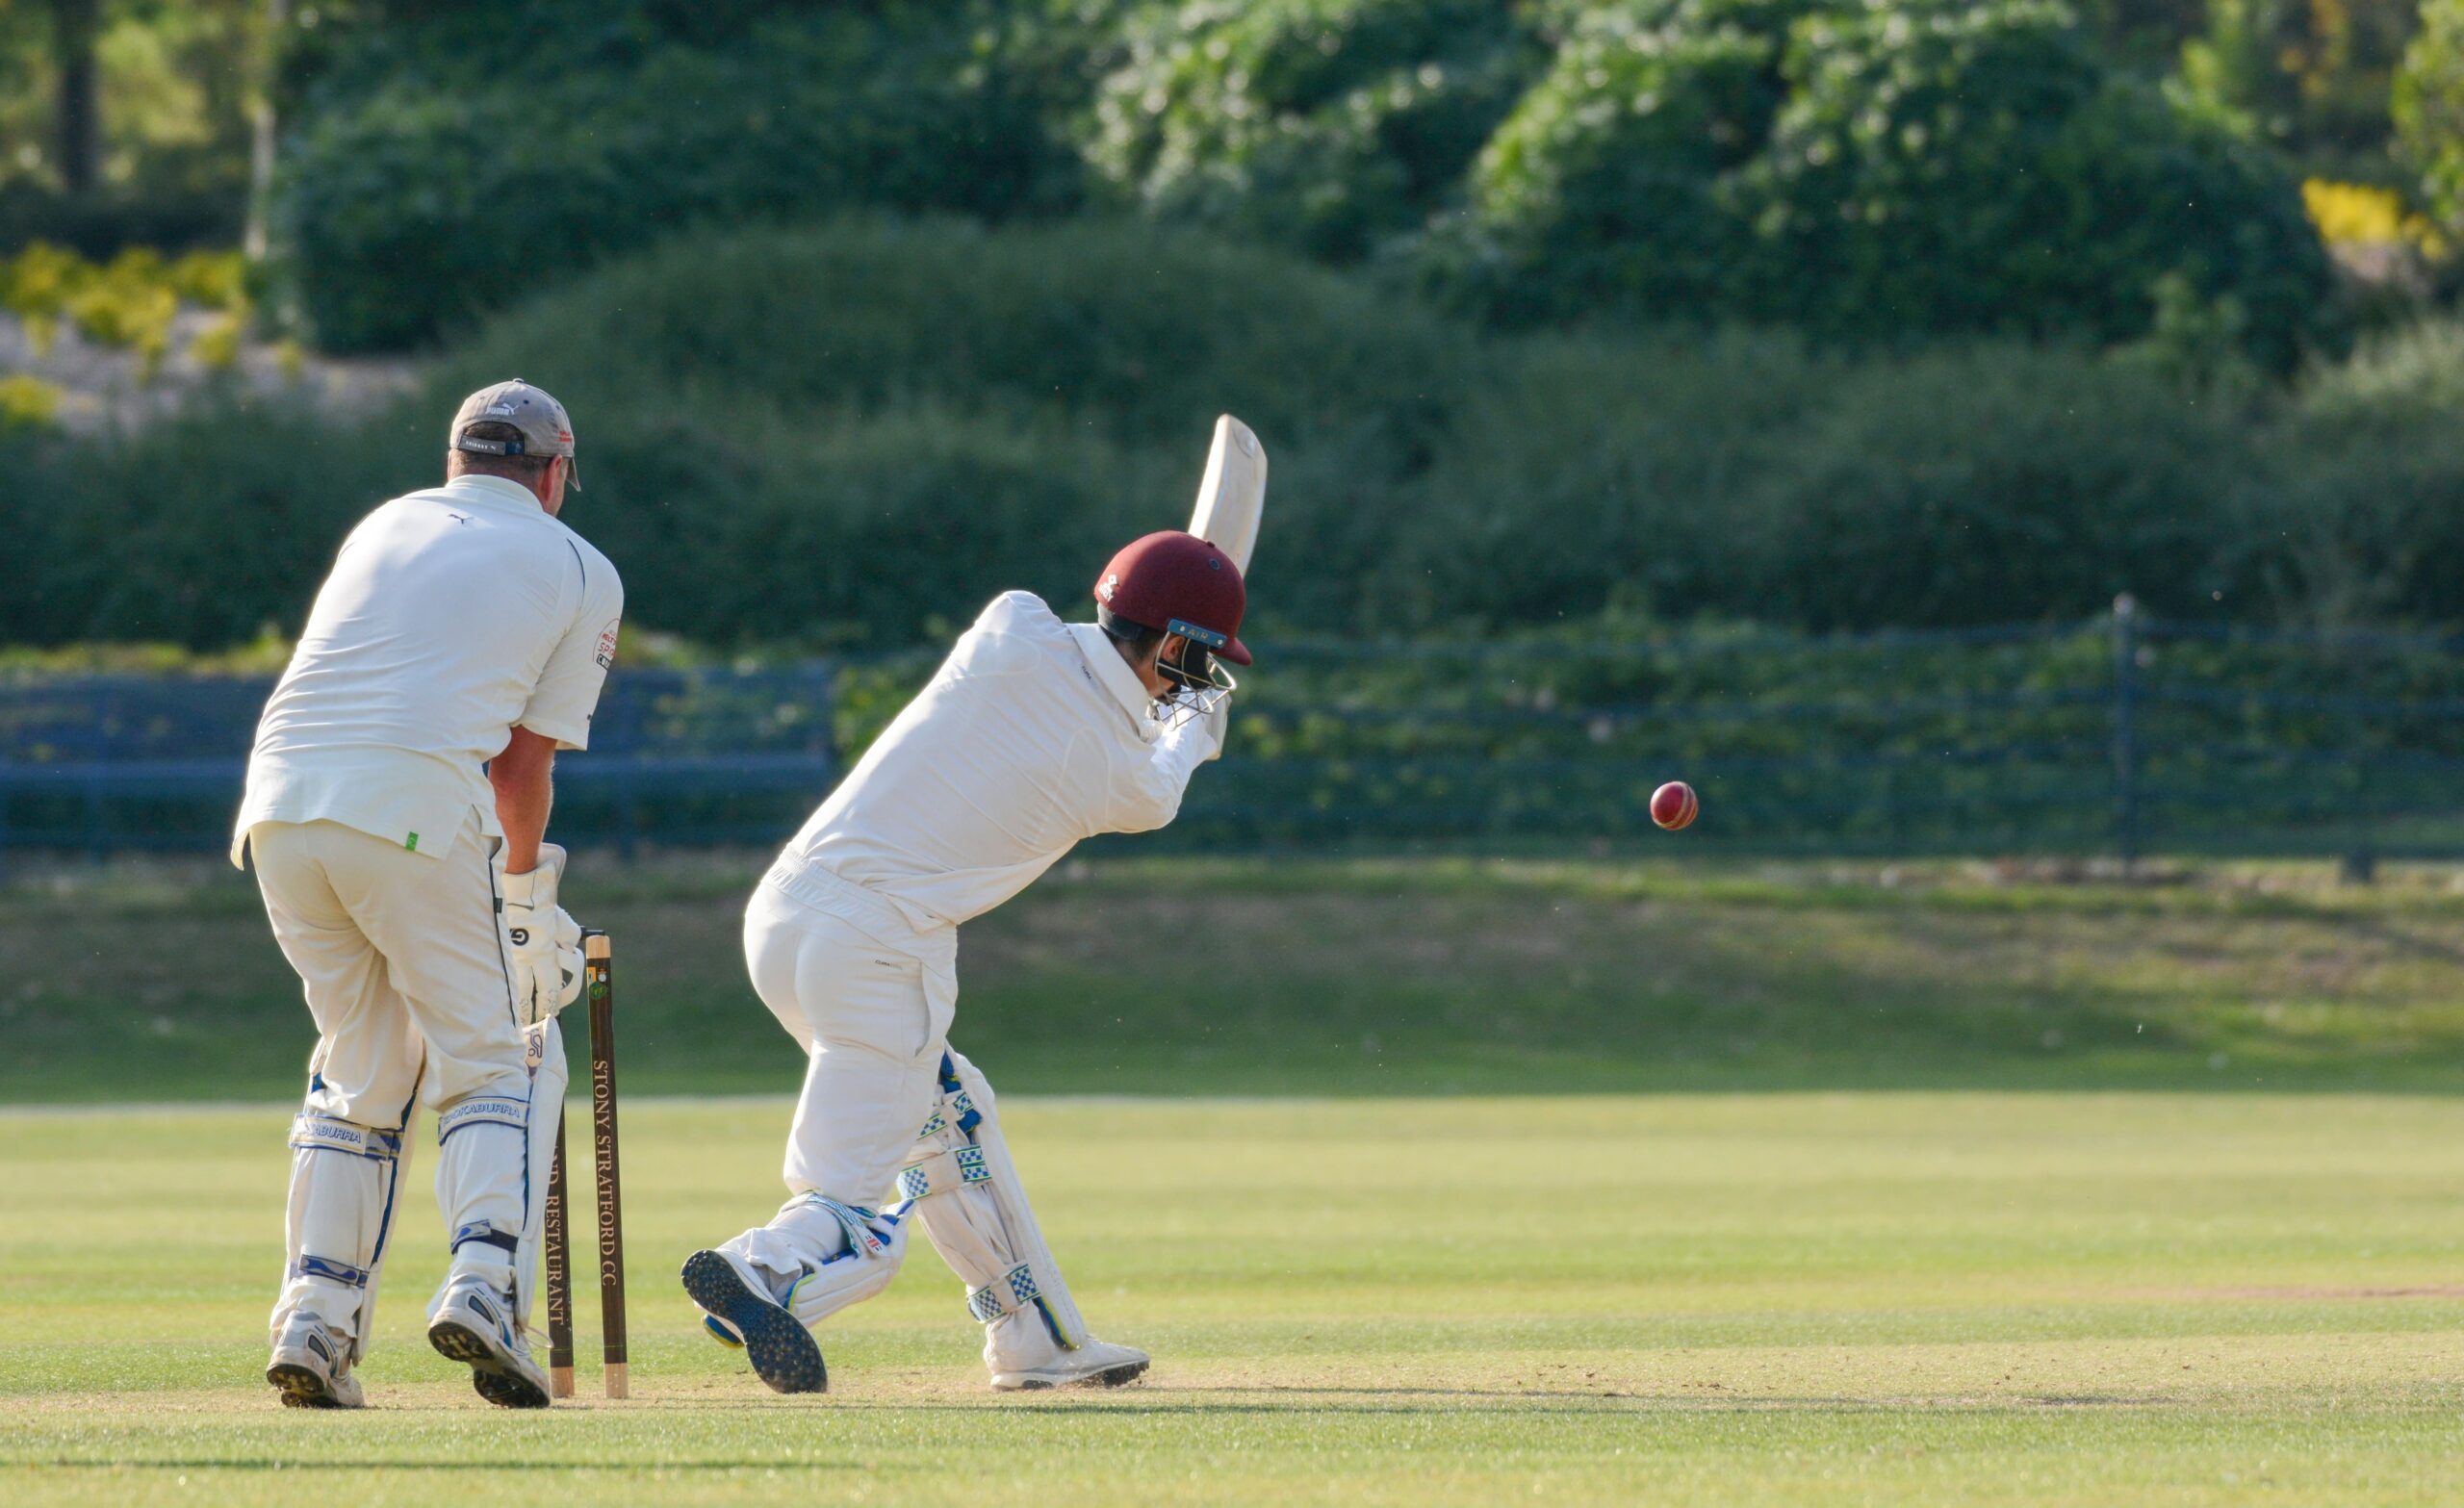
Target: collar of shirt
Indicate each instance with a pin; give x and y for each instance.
(1113, 675)
(496, 491)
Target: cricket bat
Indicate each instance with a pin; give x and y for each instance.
(1233, 492)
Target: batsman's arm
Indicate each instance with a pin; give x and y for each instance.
(1149, 796)
(524, 779)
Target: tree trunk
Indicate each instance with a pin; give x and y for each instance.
(263, 126)
(79, 112)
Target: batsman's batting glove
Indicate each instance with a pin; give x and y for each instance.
(1219, 721)
(531, 921)
(568, 961)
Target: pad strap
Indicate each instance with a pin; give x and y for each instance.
(484, 1111)
(327, 1269)
(939, 1174)
(486, 1235)
(956, 1109)
(325, 1134)
(1014, 1291)
(869, 1234)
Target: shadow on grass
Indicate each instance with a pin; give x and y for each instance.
(1369, 981)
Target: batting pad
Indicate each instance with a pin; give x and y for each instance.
(546, 1058)
(964, 1187)
(344, 1179)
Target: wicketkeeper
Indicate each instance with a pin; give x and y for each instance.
(396, 798)
(1035, 734)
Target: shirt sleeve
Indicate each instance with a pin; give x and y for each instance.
(1152, 798)
(568, 690)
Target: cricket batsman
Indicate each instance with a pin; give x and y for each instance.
(1033, 734)
(397, 800)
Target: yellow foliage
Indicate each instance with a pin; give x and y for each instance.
(2348, 214)
(116, 311)
(131, 301)
(28, 403)
(40, 280)
(212, 279)
(217, 346)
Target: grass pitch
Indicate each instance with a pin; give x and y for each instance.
(2031, 1298)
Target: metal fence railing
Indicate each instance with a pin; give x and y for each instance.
(2125, 735)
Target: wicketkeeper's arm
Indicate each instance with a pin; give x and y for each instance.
(543, 945)
(522, 776)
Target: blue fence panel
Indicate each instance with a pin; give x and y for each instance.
(2121, 736)
(101, 764)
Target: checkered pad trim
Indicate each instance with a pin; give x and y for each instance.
(988, 1303)
(932, 1175)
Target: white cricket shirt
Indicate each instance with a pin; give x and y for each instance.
(1033, 734)
(451, 616)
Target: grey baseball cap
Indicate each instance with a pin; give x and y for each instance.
(541, 420)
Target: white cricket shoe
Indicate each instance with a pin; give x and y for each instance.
(1096, 1364)
(311, 1367)
(472, 1323)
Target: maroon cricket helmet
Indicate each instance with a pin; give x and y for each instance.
(1178, 583)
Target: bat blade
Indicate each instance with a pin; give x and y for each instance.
(1233, 492)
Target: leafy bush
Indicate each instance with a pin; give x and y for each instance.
(2428, 108)
(195, 531)
(1324, 125)
(1872, 172)
(1618, 179)
(1993, 484)
(1594, 473)
(438, 192)
(2353, 509)
(851, 434)
(1142, 333)
(101, 225)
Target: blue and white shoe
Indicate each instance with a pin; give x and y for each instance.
(311, 1367)
(738, 1310)
(472, 1323)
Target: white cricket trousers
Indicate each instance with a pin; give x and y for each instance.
(402, 959)
(869, 999)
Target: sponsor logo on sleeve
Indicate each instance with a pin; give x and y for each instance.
(606, 655)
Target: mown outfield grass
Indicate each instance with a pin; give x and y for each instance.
(1284, 976)
(1592, 1182)
(2005, 1299)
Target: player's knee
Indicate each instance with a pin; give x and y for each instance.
(482, 1110)
(311, 1131)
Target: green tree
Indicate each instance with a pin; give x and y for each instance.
(2311, 77)
(2429, 109)
(1874, 172)
(1621, 177)
(1324, 125)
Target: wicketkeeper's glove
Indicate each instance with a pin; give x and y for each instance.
(542, 943)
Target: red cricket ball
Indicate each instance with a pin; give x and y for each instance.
(1675, 804)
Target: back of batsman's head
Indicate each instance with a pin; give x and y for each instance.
(1175, 583)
